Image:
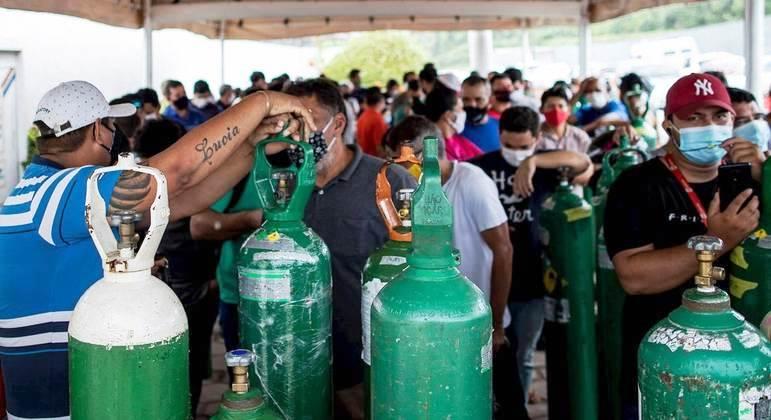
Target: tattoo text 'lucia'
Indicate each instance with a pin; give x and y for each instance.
(208, 149)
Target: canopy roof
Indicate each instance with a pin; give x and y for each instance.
(278, 19)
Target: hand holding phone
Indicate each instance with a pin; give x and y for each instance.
(733, 178)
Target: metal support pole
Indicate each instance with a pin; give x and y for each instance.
(584, 45)
(480, 47)
(148, 27)
(753, 45)
(527, 54)
(222, 52)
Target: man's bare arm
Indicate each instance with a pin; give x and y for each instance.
(646, 271)
(498, 240)
(201, 152)
(209, 225)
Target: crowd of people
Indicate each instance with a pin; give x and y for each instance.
(500, 150)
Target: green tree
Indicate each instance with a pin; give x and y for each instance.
(379, 55)
(32, 134)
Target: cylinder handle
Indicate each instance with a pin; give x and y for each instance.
(393, 217)
(120, 257)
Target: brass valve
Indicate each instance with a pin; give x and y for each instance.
(706, 248)
(240, 360)
(405, 197)
(283, 187)
(125, 221)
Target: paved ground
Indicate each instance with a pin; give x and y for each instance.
(214, 387)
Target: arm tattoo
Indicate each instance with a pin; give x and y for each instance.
(131, 189)
(208, 149)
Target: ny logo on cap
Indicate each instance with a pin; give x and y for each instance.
(703, 87)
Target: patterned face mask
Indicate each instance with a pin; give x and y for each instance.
(319, 144)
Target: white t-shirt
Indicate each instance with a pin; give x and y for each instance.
(476, 208)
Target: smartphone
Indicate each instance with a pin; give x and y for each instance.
(733, 179)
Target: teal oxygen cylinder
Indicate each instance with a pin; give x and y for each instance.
(705, 361)
(128, 339)
(388, 261)
(431, 327)
(240, 402)
(285, 289)
(610, 294)
(567, 233)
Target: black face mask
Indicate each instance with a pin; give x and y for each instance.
(502, 95)
(181, 103)
(413, 85)
(120, 144)
(475, 115)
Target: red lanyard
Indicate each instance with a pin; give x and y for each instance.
(678, 174)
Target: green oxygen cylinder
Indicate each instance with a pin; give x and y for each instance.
(285, 289)
(568, 235)
(704, 361)
(610, 294)
(750, 270)
(240, 402)
(614, 162)
(128, 339)
(388, 261)
(646, 131)
(431, 327)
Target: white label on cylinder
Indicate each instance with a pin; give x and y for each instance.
(755, 403)
(487, 355)
(266, 285)
(393, 260)
(368, 293)
(689, 340)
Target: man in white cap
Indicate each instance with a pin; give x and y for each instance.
(46, 255)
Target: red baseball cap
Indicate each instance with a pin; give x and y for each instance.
(694, 91)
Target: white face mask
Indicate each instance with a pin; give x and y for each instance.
(460, 121)
(516, 157)
(598, 100)
(201, 102)
(757, 132)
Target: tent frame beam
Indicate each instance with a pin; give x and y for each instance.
(236, 10)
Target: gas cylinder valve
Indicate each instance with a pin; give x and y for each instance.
(283, 186)
(240, 360)
(125, 221)
(706, 248)
(405, 197)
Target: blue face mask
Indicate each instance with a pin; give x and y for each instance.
(702, 145)
(755, 131)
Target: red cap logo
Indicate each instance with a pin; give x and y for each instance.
(695, 91)
(703, 87)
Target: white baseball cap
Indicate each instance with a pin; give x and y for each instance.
(76, 104)
(450, 81)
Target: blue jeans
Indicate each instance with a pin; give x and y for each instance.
(525, 329)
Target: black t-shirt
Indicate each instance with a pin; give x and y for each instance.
(527, 270)
(647, 205)
(191, 263)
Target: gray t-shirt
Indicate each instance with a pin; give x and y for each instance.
(345, 215)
